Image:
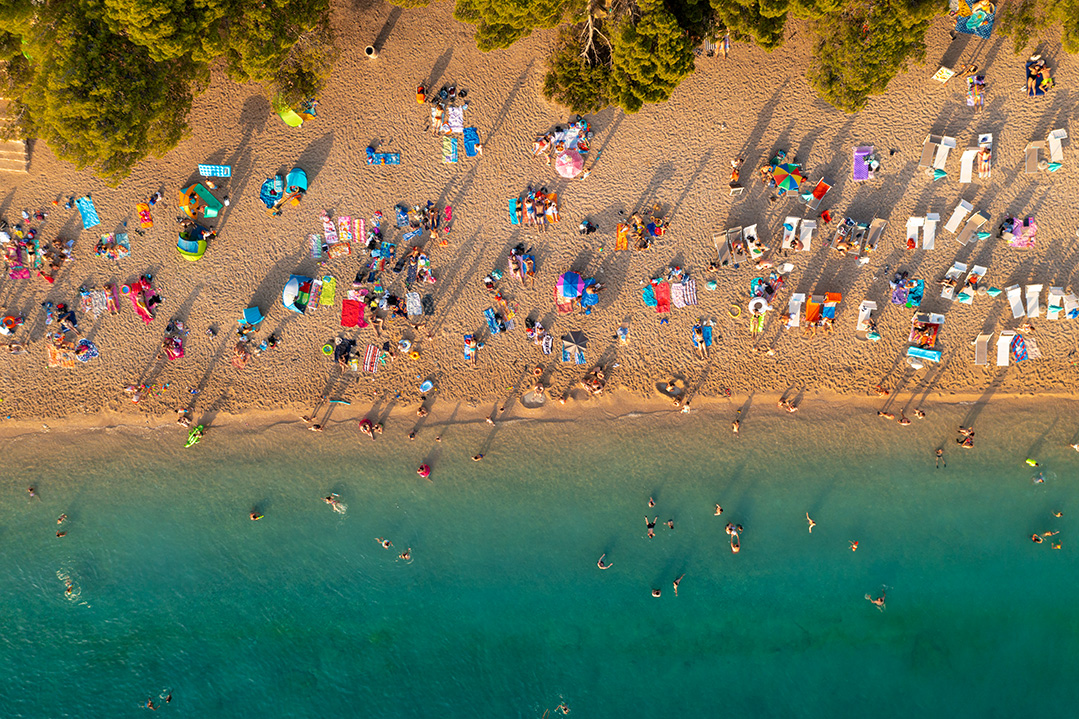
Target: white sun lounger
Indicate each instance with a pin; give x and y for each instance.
(947, 144)
(1033, 292)
(865, 312)
(966, 295)
(954, 273)
(963, 209)
(1004, 348)
(1055, 303)
(1033, 158)
(794, 308)
(966, 165)
(981, 350)
(723, 250)
(974, 224)
(790, 231)
(1071, 306)
(935, 151)
(1015, 298)
(808, 228)
(876, 229)
(914, 226)
(929, 234)
(1056, 150)
(749, 234)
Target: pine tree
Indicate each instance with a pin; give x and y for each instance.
(650, 57)
(500, 23)
(579, 80)
(761, 21)
(171, 29)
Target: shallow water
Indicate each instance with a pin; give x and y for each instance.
(502, 611)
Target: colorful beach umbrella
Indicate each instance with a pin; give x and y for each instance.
(787, 176)
(569, 164)
(570, 285)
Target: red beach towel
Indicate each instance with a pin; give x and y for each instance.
(663, 297)
(350, 313)
(370, 360)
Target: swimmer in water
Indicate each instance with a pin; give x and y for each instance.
(811, 523)
(386, 544)
(406, 555)
(255, 516)
(651, 526)
(331, 499)
(670, 524)
(656, 593)
(61, 534)
(601, 564)
(879, 601)
(1038, 478)
(719, 510)
(676, 582)
(1075, 446)
(853, 546)
(562, 708)
(1036, 538)
(1050, 534)
(903, 420)
(651, 502)
(69, 589)
(33, 493)
(1058, 515)
(61, 519)
(940, 458)
(150, 704)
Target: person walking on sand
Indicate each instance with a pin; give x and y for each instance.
(676, 582)
(811, 523)
(735, 425)
(940, 458)
(651, 524)
(601, 563)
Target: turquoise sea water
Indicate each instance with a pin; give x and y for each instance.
(502, 611)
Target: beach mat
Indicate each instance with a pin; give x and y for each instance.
(60, 357)
(215, 170)
(329, 289)
(663, 297)
(449, 150)
(88, 212)
(471, 138)
(370, 359)
(621, 237)
(492, 321)
(351, 311)
(413, 304)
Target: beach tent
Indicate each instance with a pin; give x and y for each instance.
(192, 243)
(198, 198)
(569, 164)
(297, 293)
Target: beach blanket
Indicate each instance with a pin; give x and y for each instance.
(663, 297)
(85, 351)
(339, 249)
(455, 118)
(316, 246)
(449, 150)
(409, 236)
(344, 229)
(370, 359)
(514, 218)
(329, 230)
(329, 290)
(706, 333)
(470, 352)
(401, 213)
(413, 304)
(99, 302)
(61, 357)
(492, 321)
(648, 295)
(915, 293)
(621, 237)
(678, 295)
(351, 312)
(1019, 348)
(471, 138)
(146, 220)
(215, 170)
(123, 246)
(861, 164)
(88, 212)
(690, 290)
(975, 18)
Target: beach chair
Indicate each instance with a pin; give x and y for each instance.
(963, 209)
(739, 251)
(1033, 293)
(794, 309)
(749, 235)
(929, 233)
(1033, 158)
(814, 308)
(1004, 348)
(935, 151)
(1015, 298)
(808, 228)
(974, 224)
(966, 294)
(966, 165)
(876, 229)
(1055, 303)
(1056, 149)
(914, 226)
(981, 350)
(928, 148)
(947, 144)
(957, 270)
(1071, 306)
(865, 313)
(818, 194)
(790, 231)
(723, 250)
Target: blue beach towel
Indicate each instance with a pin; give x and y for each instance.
(409, 236)
(492, 321)
(471, 138)
(88, 212)
(706, 332)
(514, 219)
(391, 158)
(649, 296)
(402, 215)
(914, 294)
(215, 170)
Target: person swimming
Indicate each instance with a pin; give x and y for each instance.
(676, 583)
(879, 601)
(1036, 538)
(853, 546)
(651, 524)
(601, 564)
(386, 544)
(1038, 478)
(61, 519)
(424, 471)
(656, 593)
(331, 499)
(651, 502)
(670, 524)
(254, 515)
(719, 510)
(811, 523)
(406, 555)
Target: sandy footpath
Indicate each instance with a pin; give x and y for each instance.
(676, 154)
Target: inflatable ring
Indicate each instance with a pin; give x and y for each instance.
(758, 304)
(414, 355)
(537, 371)
(735, 311)
(327, 349)
(10, 323)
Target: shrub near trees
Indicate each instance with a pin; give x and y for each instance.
(108, 82)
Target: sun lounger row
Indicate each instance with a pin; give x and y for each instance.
(1054, 143)
(738, 245)
(926, 228)
(1059, 305)
(935, 151)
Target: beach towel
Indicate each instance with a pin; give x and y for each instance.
(215, 170)
(1032, 349)
(316, 246)
(389, 158)
(113, 299)
(139, 301)
(706, 333)
(370, 359)
(329, 230)
(899, 295)
(85, 301)
(1019, 348)
(471, 138)
(678, 295)
(351, 311)
(689, 290)
(514, 219)
(649, 296)
(413, 304)
(88, 212)
(621, 237)
(470, 352)
(99, 302)
(409, 236)
(492, 321)
(455, 118)
(329, 289)
(915, 294)
(449, 150)
(123, 246)
(401, 213)
(85, 351)
(1038, 89)
(552, 208)
(663, 297)
(861, 163)
(61, 357)
(344, 229)
(146, 220)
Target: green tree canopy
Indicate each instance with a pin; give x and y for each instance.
(500, 23)
(650, 56)
(579, 80)
(761, 21)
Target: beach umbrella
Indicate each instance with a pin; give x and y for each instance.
(569, 164)
(938, 174)
(787, 177)
(1054, 166)
(570, 285)
(575, 340)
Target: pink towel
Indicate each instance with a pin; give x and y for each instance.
(663, 297)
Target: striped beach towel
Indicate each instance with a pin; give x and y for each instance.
(449, 150)
(316, 246)
(344, 225)
(215, 170)
(370, 359)
(690, 290)
(88, 212)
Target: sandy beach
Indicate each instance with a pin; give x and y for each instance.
(676, 154)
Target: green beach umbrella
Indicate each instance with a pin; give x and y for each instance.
(983, 235)
(1054, 166)
(937, 174)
